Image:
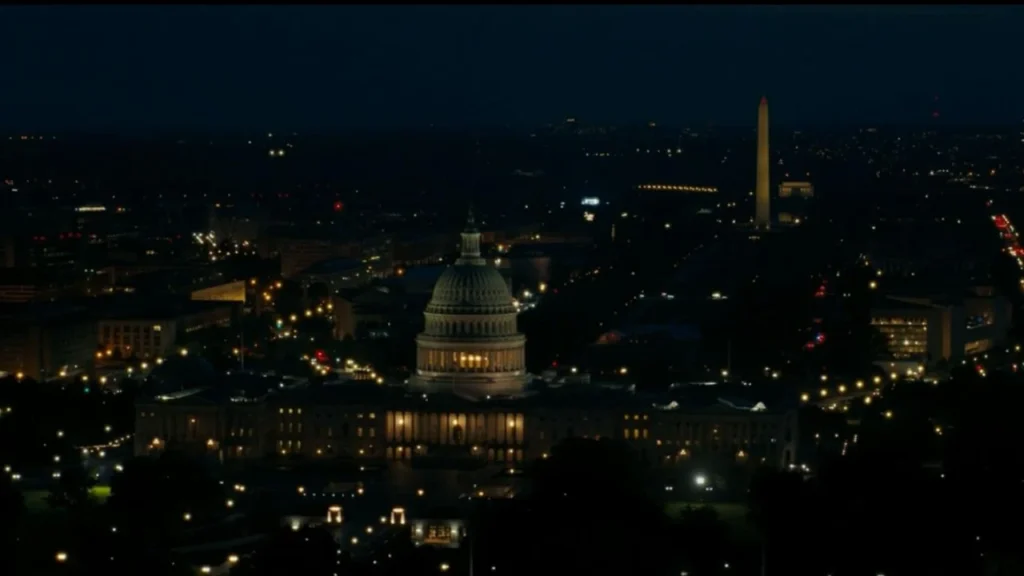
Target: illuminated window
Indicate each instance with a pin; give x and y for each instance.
(470, 361)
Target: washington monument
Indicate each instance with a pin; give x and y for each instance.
(762, 208)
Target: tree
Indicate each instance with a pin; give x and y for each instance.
(704, 538)
(597, 491)
(71, 490)
(153, 502)
(290, 298)
(153, 496)
(777, 505)
(311, 548)
(12, 510)
(981, 465)
(318, 292)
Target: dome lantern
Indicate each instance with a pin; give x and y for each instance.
(470, 254)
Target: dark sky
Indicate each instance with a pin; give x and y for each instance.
(322, 67)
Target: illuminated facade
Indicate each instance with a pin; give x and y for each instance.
(927, 330)
(42, 344)
(762, 210)
(227, 292)
(678, 188)
(906, 335)
(469, 345)
(791, 189)
(148, 335)
(382, 424)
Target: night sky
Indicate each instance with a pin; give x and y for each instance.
(323, 67)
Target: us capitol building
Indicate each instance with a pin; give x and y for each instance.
(469, 346)
(470, 402)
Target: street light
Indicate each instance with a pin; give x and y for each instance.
(700, 480)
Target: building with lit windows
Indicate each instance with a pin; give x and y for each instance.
(153, 331)
(790, 189)
(365, 421)
(926, 330)
(469, 404)
(44, 341)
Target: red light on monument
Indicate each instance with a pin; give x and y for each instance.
(339, 206)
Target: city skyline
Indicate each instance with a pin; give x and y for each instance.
(425, 291)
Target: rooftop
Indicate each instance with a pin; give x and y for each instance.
(37, 313)
(129, 307)
(719, 399)
(334, 266)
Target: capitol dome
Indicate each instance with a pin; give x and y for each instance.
(471, 290)
(470, 345)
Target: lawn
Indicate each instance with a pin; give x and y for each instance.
(35, 500)
(733, 514)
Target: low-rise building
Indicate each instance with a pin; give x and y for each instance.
(46, 341)
(361, 420)
(154, 330)
(366, 313)
(928, 329)
(226, 292)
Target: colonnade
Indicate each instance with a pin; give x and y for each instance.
(470, 361)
